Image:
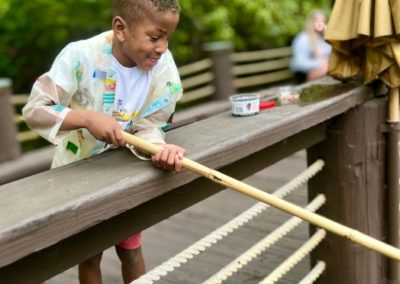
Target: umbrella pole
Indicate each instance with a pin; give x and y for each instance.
(313, 218)
(393, 178)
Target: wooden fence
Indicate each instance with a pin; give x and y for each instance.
(78, 206)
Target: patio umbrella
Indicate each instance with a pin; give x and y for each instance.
(365, 37)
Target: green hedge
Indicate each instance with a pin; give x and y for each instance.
(33, 32)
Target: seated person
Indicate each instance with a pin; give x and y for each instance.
(310, 50)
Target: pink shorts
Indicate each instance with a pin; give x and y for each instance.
(133, 242)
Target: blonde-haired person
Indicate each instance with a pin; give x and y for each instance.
(123, 79)
(310, 51)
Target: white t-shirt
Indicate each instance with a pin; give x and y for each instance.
(132, 88)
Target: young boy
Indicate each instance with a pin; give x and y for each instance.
(124, 79)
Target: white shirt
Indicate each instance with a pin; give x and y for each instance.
(133, 85)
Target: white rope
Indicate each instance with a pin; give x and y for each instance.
(262, 245)
(314, 274)
(212, 238)
(295, 257)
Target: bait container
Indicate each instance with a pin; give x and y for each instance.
(245, 104)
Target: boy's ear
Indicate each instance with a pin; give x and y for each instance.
(119, 27)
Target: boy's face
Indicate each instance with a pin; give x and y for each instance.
(142, 44)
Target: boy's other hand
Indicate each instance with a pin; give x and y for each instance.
(105, 128)
(169, 158)
(101, 126)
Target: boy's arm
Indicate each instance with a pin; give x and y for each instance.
(51, 95)
(101, 126)
(166, 81)
(170, 156)
(46, 109)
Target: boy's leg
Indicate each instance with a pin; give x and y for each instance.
(132, 263)
(89, 270)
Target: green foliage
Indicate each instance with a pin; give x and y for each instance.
(201, 21)
(33, 32)
(4, 6)
(250, 25)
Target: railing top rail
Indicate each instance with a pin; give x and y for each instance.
(48, 207)
(195, 67)
(247, 56)
(5, 83)
(19, 99)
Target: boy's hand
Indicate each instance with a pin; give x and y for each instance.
(101, 126)
(105, 128)
(169, 157)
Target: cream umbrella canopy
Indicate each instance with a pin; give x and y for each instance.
(365, 39)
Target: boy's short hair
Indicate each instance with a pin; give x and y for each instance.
(134, 10)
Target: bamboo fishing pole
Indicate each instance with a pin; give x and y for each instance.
(313, 218)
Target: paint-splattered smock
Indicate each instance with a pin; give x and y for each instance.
(82, 77)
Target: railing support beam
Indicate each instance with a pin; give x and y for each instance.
(9, 146)
(353, 181)
(220, 53)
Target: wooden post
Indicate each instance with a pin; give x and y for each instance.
(353, 181)
(9, 146)
(393, 178)
(220, 53)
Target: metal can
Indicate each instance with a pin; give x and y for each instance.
(245, 104)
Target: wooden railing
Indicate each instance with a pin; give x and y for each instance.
(97, 198)
(257, 68)
(26, 135)
(249, 71)
(197, 80)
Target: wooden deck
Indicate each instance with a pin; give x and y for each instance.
(171, 236)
